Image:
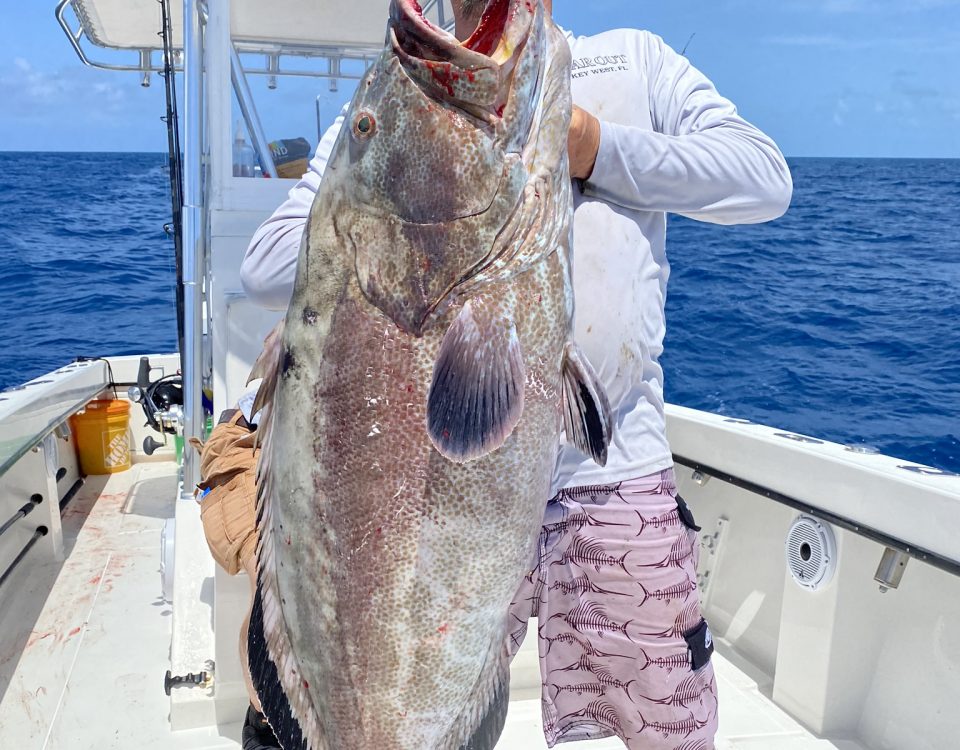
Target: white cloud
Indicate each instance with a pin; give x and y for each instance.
(28, 91)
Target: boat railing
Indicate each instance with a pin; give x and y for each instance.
(39, 469)
(910, 509)
(33, 420)
(32, 411)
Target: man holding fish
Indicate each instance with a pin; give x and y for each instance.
(623, 647)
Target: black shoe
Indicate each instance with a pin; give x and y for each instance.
(257, 734)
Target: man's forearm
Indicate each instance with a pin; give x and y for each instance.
(730, 174)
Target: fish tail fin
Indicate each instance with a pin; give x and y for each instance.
(476, 395)
(266, 683)
(588, 419)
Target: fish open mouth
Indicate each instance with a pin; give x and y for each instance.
(501, 30)
(473, 75)
(418, 35)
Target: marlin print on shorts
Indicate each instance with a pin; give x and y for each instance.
(690, 689)
(700, 744)
(601, 713)
(669, 663)
(517, 635)
(677, 592)
(583, 688)
(582, 553)
(680, 551)
(591, 616)
(686, 727)
(582, 584)
(662, 522)
(576, 521)
(608, 680)
(583, 664)
(688, 618)
(584, 645)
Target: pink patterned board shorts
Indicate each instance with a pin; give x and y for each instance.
(624, 649)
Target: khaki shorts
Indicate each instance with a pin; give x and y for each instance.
(228, 493)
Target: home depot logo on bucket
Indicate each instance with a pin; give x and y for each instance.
(116, 449)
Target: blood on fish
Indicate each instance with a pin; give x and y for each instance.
(441, 74)
(490, 29)
(73, 632)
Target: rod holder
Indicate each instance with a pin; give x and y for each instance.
(41, 531)
(890, 570)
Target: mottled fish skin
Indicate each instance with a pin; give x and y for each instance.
(385, 569)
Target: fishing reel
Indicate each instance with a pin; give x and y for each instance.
(162, 404)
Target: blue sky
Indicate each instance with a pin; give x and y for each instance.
(824, 77)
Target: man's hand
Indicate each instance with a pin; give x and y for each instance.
(583, 143)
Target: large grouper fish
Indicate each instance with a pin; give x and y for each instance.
(414, 397)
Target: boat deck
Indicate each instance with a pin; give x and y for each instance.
(85, 643)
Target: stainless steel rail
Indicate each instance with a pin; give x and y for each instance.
(193, 242)
(272, 52)
(249, 110)
(143, 55)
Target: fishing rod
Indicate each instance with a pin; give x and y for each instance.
(175, 161)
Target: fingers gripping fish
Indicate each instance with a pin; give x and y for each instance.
(414, 398)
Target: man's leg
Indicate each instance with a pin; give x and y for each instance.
(624, 649)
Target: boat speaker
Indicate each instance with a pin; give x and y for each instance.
(811, 553)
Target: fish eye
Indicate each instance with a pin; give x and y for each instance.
(364, 125)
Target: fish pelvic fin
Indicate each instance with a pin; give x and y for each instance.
(476, 395)
(587, 417)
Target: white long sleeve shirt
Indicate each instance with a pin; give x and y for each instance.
(669, 144)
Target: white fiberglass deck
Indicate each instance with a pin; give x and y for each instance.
(84, 644)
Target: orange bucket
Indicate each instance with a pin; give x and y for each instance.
(102, 436)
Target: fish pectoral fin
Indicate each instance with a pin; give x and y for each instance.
(476, 396)
(587, 417)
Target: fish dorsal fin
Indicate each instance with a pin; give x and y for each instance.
(274, 669)
(587, 417)
(266, 367)
(476, 396)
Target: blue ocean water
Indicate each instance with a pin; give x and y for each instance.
(840, 320)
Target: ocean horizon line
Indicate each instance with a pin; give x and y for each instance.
(788, 156)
